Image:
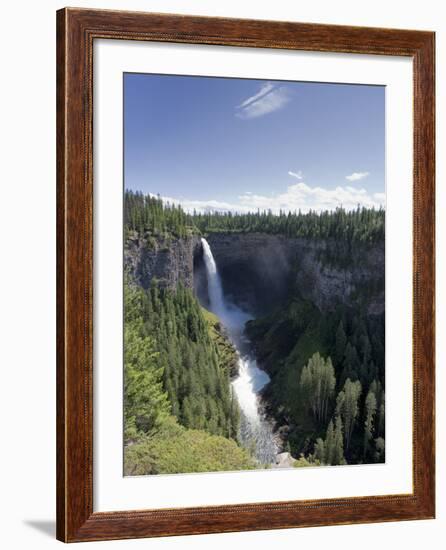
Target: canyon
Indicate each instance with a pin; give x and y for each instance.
(258, 271)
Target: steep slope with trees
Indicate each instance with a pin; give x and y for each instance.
(179, 411)
(327, 377)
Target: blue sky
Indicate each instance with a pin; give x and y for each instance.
(221, 143)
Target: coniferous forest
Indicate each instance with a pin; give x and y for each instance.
(179, 412)
(325, 398)
(148, 214)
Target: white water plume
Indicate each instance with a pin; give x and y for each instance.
(214, 283)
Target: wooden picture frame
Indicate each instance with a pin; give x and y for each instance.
(76, 31)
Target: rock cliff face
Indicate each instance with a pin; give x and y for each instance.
(170, 262)
(258, 271)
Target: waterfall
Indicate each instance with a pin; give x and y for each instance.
(214, 284)
(256, 432)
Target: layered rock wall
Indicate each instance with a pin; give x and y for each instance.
(259, 271)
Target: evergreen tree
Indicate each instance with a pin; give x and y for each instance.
(341, 342)
(379, 449)
(370, 410)
(329, 444)
(319, 450)
(331, 450)
(381, 418)
(338, 447)
(351, 363)
(347, 407)
(317, 383)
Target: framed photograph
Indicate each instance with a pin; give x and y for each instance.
(245, 275)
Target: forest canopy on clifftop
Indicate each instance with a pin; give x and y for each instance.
(149, 214)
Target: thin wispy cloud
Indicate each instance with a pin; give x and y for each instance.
(298, 175)
(356, 176)
(264, 89)
(299, 196)
(268, 99)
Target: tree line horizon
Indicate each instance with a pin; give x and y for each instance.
(150, 213)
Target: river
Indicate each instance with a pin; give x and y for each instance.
(256, 432)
